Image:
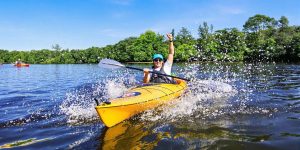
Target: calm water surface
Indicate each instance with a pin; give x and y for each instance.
(227, 106)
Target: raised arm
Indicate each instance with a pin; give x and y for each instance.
(171, 48)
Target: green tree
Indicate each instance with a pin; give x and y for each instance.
(56, 47)
(258, 23)
(293, 51)
(185, 52)
(284, 22)
(263, 39)
(92, 54)
(260, 31)
(184, 36)
(146, 45)
(124, 48)
(4, 56)
(68, 58)
(206, 44)
(230, 44)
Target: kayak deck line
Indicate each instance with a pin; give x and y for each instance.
(146, 89)
(164, 88)
(153, 85)
(109, 105)
(161, 87)
(156, 90)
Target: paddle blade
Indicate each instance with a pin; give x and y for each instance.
(109, 63)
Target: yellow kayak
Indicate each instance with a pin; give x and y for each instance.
(138, 100)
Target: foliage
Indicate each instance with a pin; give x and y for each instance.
(185, 52)
(230, 44)
(184, 37)
(206, 44)
(263, 38)
(146, 45)
(258, 23)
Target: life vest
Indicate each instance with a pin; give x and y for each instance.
(156, 78)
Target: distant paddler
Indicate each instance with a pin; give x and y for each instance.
(19, 63)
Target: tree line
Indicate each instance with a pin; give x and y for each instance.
(262, 38)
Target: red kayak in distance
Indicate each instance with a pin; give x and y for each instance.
(21, 65)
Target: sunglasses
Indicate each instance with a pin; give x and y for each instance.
(157, 59)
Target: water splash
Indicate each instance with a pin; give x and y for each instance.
(223, 91)
(79, 105)
(210, 94)
(204, 98)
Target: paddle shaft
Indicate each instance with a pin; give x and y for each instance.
(117, 64)
(157, 73)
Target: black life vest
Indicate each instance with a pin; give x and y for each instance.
(156, 78)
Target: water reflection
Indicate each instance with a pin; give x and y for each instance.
(146, 135)
(125, 135)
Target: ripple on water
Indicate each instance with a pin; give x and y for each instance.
(226, 106)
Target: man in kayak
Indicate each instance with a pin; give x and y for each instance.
(18, 62)
(160, 66)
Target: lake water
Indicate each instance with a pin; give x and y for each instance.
(227, 106)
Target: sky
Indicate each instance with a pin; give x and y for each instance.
(80, 24)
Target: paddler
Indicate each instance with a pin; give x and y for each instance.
(18, 62)
(160, 66)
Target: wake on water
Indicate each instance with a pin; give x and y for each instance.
(202, 95)
(207, 99)
(79, 107)
(204, 99)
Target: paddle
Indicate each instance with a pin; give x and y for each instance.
(109, 63)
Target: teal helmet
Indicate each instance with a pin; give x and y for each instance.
(158, 56)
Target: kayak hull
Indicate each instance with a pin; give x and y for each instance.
(138, 100)
(21, 65)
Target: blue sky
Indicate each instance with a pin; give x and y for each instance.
(79, 24)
